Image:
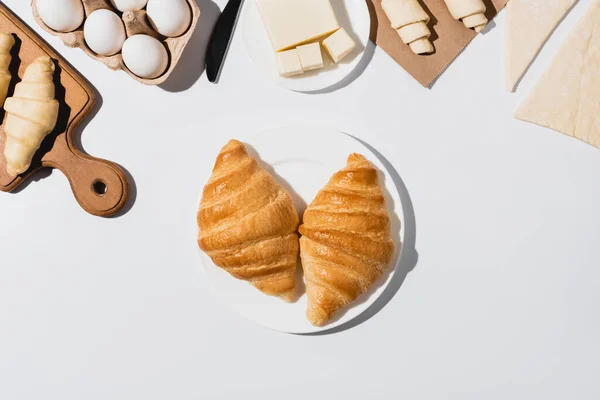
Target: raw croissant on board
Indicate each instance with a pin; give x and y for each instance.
(470, 12)
(248, 223)
(7, 41)
(346, 242)
(31, 115)
(410, 21)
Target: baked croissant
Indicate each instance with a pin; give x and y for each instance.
(470, 12)
(32, 114)
(410, 21)
(346, 243)
(248, 223)
(7, 41)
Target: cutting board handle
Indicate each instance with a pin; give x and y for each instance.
(99, 186)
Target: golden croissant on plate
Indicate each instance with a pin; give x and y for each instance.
(346, 243)
(248, 223)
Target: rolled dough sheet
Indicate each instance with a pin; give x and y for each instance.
(567, 97)
(529, 24)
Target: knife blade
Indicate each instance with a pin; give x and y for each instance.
(220, 39)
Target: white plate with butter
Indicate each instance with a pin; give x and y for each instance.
(352, 15)
(303, 168)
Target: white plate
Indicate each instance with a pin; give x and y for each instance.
(303, 159)
(353, 16)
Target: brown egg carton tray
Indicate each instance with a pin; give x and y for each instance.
(136, 22)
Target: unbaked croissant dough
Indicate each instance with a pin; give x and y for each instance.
(470, 12)
(32, 114)
(567, 97)
(7, 41)
(248, 223)
(346, 243)
(410, 21)
(529, 24)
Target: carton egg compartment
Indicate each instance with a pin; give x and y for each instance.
(135, 23)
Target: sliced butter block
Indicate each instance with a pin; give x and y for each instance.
(310, 56)
(291, 23)
(339, 45)
(288, 63)
(530, 24)
(567, 97)
(404, 12)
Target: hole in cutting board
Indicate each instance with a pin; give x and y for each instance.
(99, 187)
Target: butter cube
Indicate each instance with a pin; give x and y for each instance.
(310, 56)
(289, 63)
(291, 23)
(339, 45)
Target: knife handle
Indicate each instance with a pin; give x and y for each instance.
(220, 39)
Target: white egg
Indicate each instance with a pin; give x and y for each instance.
(145, 56)
(61, 15)
(129, 5)
(104, 32)
(169, 17)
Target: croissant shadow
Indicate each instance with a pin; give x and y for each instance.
(406, 260)
(433, 21)
(299, 205)
(490, 12)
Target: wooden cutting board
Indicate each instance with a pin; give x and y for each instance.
(99, 186)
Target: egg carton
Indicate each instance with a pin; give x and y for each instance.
(136, 22)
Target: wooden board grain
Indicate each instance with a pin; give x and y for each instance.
(99, 186)
(449, 37)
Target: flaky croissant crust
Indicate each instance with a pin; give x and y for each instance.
(346, 242)
(248, 223)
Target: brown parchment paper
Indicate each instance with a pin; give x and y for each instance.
(448, 35)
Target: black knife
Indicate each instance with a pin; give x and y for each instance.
(219, 41)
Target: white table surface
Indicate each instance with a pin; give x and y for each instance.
(502, 303)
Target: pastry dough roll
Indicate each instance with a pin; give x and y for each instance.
(412, 32)
(404, 12)
(410, 21)
(476, 21)
(463, 8)
(467, 10)
(421, 46)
